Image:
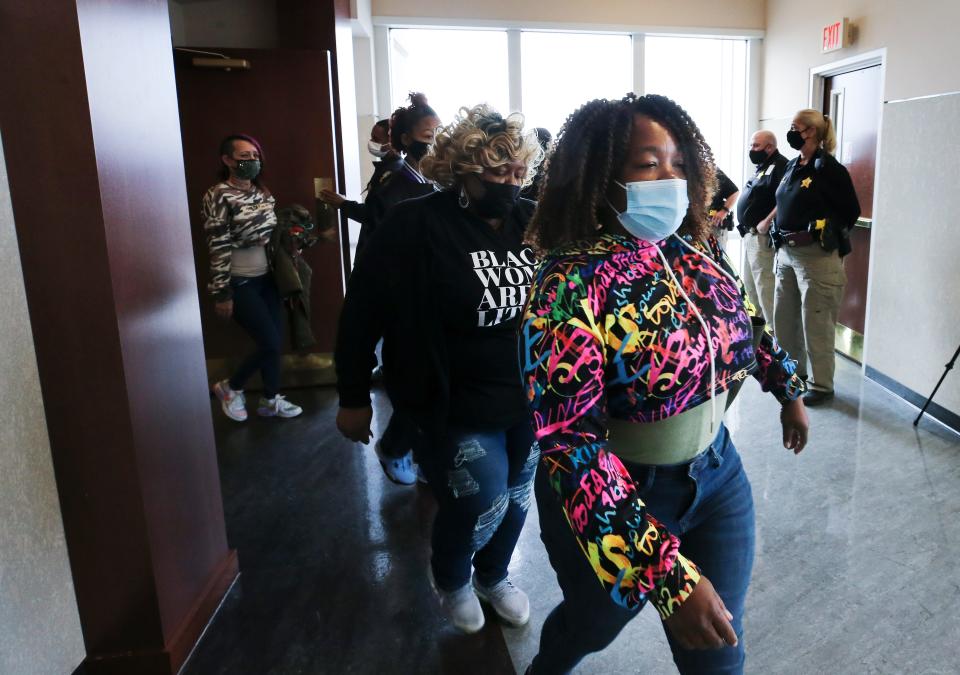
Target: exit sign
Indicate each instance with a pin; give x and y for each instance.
(836, 36)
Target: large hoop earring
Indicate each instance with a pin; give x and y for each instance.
(464, 199)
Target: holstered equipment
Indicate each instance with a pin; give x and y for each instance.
(791, 239)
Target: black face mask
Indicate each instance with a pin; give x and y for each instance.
(418, 150)
(758, 156)
(498, 200)
(795, 139)
(247, 169)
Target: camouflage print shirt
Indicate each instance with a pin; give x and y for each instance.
(234, 218)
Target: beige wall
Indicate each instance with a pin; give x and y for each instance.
(920, 38)
(39, 625)
(682, 13)
(361, 14)
(241, 24)
(913, 309)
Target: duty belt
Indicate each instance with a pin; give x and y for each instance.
(792, 239)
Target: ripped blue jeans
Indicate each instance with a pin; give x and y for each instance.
(483, 482)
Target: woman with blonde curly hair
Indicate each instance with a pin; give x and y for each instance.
(444, 280)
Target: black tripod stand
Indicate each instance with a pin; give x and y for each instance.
(942, 378)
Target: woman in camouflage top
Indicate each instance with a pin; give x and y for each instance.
(238, 219)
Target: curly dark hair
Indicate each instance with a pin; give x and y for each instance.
(404, 119)
(590, 149)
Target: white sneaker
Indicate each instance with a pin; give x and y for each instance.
(278, 406)
(232, 401)
(400, 470)
(461, 605)
(509, 602)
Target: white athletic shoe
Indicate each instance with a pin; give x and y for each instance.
(509, 602)
(231, 400)
(461, 606)
(278, 406)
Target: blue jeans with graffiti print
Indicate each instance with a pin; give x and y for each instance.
(483, 482)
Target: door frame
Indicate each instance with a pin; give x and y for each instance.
(818, 74)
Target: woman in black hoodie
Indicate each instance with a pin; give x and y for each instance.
(445, 278)
(412, 130)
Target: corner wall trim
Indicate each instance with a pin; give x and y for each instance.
(173, 656)
(945, 417)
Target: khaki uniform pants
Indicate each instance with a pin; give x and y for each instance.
(758, 273)
(809, 288)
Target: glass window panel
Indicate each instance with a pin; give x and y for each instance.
(708, 77)
(454, 68)
(562, 71)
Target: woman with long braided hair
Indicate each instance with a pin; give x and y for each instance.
(636, 337)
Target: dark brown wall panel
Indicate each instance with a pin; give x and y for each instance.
(54, 187)
(136, 131)
(302, 24)
(91, 135)
(290, 114)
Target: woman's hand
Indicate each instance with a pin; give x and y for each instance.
(224, 309)
(702, 622)
(332, 198)
(796, 425)
(763, 226)
(354, 423)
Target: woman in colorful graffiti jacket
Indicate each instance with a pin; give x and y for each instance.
(447, 275)
(636, 336)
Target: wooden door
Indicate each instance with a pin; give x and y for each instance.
(853, 102)
(285, 101)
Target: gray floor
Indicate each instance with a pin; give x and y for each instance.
(855, 572)
(857, 546)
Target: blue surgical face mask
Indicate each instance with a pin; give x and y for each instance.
(655, 208)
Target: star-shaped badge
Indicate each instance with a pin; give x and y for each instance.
(806, 182)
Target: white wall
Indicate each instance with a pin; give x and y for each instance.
(913, 320)
(349, 134)
(39, 625)
(367, 112)
(726, 14)
(365, 87)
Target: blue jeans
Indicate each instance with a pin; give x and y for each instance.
(257, 308)
(707, 502)
(483, 482)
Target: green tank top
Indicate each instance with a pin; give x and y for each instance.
(674, 440)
